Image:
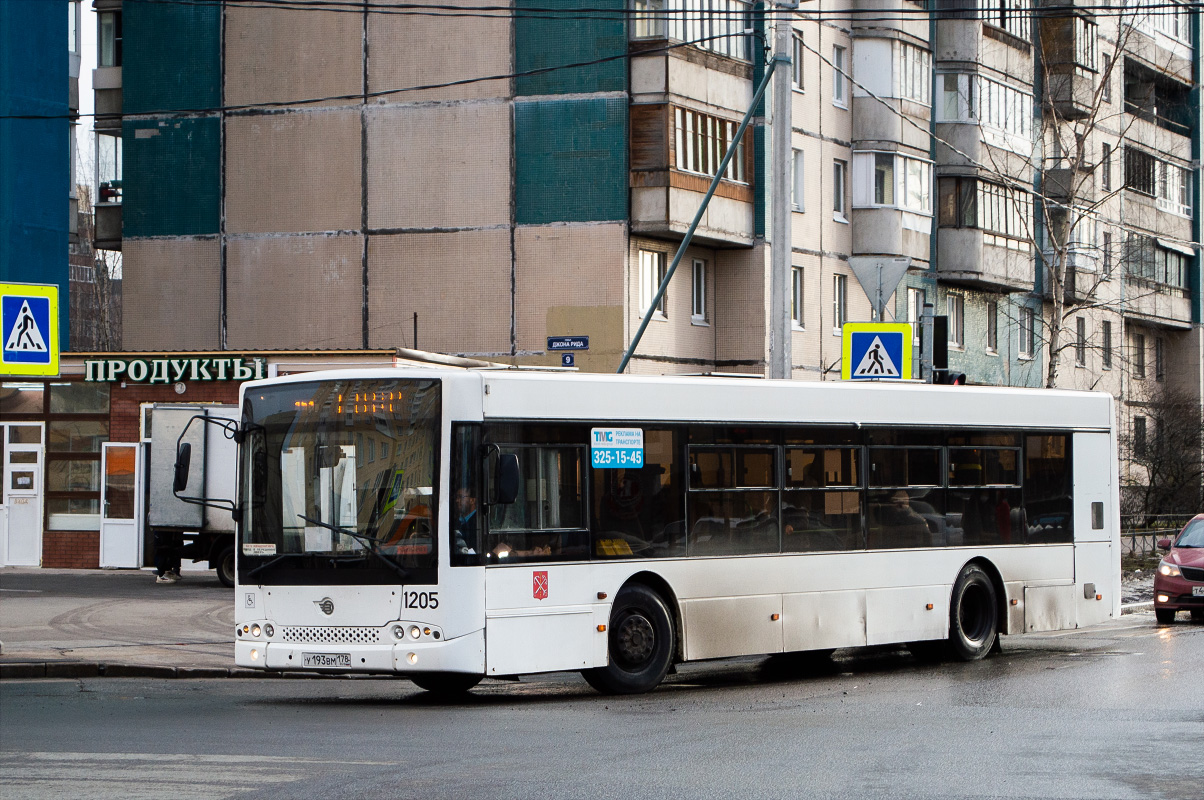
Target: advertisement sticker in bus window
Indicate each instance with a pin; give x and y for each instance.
(617, 448)
(539, 585)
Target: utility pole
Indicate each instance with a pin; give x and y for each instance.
(926, 344)
(780, 259)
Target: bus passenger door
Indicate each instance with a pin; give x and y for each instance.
(1096, 559)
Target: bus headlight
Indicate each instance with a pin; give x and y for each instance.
(268, 630)
(255, 630)
(399, 632)
(254, 655)
(415, 632)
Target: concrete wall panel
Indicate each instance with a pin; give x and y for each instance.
(444, 166)
(291, 55)
(162, 312)
(421, 51)
(295, 292)
(572, 276)
(293, 172)
(408, 274)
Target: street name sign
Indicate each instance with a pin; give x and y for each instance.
(29, 329)
(874, 351)
(568, 342)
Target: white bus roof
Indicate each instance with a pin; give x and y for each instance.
(515, 394)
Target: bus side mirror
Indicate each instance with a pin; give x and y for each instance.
(506, 478)
(183, 459)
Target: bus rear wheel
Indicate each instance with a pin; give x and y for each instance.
(973, 615)
(640, 644)
(445, 684)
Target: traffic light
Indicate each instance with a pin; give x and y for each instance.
(949, 378)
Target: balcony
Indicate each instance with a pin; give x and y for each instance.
(1158, 98)
(1068, 44)
(674, 154)
(1157, 303)
(107, 233)
(1074, 185)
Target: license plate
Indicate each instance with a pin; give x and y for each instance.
(1197, 591)
(326, 660)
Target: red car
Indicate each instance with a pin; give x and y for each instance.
(1179, 581)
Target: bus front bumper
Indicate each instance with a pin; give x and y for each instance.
(462, 654)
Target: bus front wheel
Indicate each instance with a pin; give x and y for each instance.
(640, 644)
(445, 684)
(973, 615)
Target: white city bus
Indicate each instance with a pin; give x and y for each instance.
(449, 524)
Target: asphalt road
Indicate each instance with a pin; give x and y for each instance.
(1114, 712)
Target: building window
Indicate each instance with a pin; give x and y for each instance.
(992, 326)
(1159, 359)
(1028, 333)
(652, 273)
(1004, 112)
(797, 195)
(1139, 171)
(1106, 167)
(698, 304)
(955, 307)
(1139, 356)
(717, 26)
(1106, 335)
(1084, 42)
(702, 140)
(1080, 341)
(1107, 246)
(796, 63)
(1145, 259)
(796, 297)
(839, 83)
(1005, 213)
(915, 309)
(839, 303)
(913, 68)
(839, 168)
(892, 180)
(1139, 437)
(1009, 15)
(108, 39)
(1106, 77)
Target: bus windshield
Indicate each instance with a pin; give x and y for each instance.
(338, 482)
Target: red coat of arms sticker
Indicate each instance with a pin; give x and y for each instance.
(539, 585)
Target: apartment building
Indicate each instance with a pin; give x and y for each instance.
(476, 182)
(39, 98)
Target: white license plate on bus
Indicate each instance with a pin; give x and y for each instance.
(326, 660)
(1197, 591)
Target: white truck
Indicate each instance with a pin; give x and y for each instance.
(205, 532)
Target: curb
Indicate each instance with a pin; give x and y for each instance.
(83, 669)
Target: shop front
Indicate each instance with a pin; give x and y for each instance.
(74, 449)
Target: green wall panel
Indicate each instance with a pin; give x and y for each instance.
(171, 56)
(172, 171)
(571, 160)
(541, 43)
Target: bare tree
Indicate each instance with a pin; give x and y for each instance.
(1164, 445)
(96, 288)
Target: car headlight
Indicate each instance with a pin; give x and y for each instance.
(1168, 569)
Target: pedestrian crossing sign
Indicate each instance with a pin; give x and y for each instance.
(875, 351)
(29, 329)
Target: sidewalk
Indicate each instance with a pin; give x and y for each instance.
(65, 623)
(84, 623)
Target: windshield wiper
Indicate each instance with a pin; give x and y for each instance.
(370, 541)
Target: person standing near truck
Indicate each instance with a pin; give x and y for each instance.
(167, 557)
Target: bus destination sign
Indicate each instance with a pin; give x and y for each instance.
(617, 448)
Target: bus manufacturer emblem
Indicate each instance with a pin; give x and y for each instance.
(325, 605)
(539, 585)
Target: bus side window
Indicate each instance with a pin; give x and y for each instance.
(1047, 495)
(466, 499)
(638, 512)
